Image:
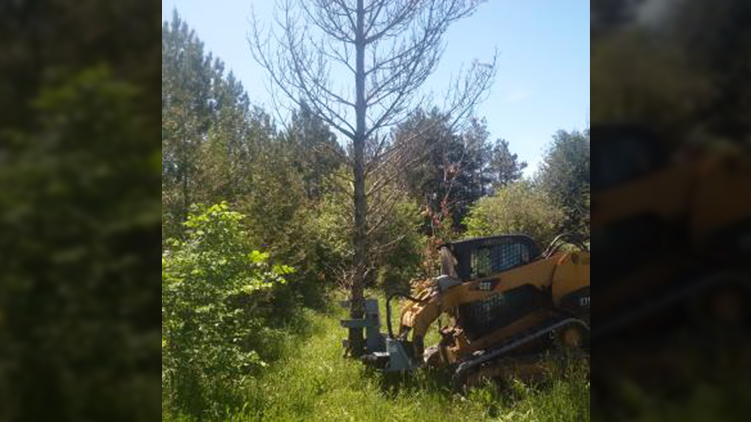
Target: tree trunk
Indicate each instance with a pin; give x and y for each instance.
(359, 236)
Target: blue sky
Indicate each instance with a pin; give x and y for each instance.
(542, 83)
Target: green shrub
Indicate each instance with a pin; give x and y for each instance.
(213, 286)
(519, 208)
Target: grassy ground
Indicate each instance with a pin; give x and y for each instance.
(313, 382)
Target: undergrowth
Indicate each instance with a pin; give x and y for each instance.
(311, 381)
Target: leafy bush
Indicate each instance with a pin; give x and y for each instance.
(519, 208)
(213, 284)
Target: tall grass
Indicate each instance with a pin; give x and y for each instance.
(311, 381)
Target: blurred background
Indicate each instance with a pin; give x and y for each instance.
(671, 209)
(79, 210)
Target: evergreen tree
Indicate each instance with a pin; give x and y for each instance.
(314, 148)
(455, 172)
(505, 167)
(564, 175)
(186, 107)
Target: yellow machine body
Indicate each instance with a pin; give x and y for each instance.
(551, 288)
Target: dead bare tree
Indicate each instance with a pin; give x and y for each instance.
(388, 48)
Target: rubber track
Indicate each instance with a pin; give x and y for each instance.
(520, 340)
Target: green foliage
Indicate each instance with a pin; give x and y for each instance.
(395, 239)
(398, 247)
(207, 126)
(212, 286)
(329, 226)
(275, 196)
(313, 383)
(218, 148)
(504, 166)
(564, 176)
(518, 208)
(315, 154)
(283, 220)
(448, 170)
(80, 230)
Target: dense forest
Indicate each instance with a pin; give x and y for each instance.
(257, 215)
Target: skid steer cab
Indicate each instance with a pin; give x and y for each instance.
(505, 298)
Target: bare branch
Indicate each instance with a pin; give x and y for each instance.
(398, 20)
(383, 215)
(295, 77)
(403, 39)
(381, 248)
(328, 16)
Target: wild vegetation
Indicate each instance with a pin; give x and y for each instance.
(309, 381)
(257, 243)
